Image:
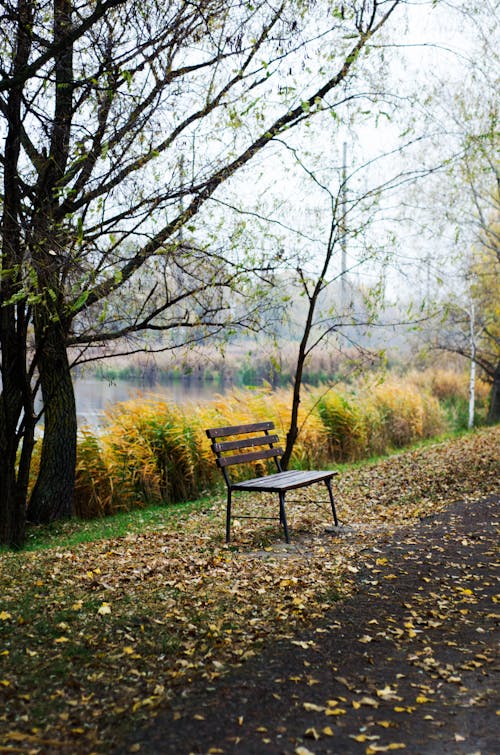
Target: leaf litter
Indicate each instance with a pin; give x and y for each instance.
(96, 639)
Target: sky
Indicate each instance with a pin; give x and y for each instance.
(429, 51)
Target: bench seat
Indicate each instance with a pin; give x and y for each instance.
(247, 444)
(282, 481)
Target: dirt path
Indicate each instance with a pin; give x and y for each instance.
(406, 664)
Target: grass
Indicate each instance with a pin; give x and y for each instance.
(73, 532)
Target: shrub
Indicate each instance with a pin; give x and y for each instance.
(93, 484)
(155, 451)
(345, 425)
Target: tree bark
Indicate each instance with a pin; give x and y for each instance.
(494, 410)
(12, 511)
(16, 395)
(52, 496)
(17, 426)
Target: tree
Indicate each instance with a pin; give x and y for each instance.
(98, 107)
(472, 330)
(332, 249)
(451, 225)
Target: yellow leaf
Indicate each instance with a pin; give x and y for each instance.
(312, 734)
(387, 693)
(369, 701)
(104, 609)
(314, 707)
(5, 615)
(423, 699)
(61, 639)
(327, 731)
(303, 751)
(408, 709)
(334, 712)
(77, 605)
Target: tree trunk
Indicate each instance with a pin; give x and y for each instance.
(293, 429)
(494, 410)
(12, 509)
(52, 496)
(15, 394)
(17, 423)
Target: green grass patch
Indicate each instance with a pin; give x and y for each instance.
(73, 532)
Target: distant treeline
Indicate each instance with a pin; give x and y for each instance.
(240, 366)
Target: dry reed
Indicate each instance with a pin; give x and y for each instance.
(151, 450)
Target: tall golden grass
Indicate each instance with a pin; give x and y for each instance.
(151, 450)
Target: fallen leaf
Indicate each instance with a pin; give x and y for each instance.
(387, 693)
(311, 734)
(313, 707)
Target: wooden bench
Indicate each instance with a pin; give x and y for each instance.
(258, 445)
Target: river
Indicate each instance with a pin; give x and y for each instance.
(93, 396)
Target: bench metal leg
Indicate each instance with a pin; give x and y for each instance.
(228, 517)
(328, 484)
(283, 516)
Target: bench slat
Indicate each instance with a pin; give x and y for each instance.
(221, 432)
(231, 445)
(267, 453)
(283, 481)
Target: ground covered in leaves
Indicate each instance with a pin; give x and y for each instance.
(375, 639)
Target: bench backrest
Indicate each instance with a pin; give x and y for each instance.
(238, 439)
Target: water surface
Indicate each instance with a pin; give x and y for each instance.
(94, 396)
